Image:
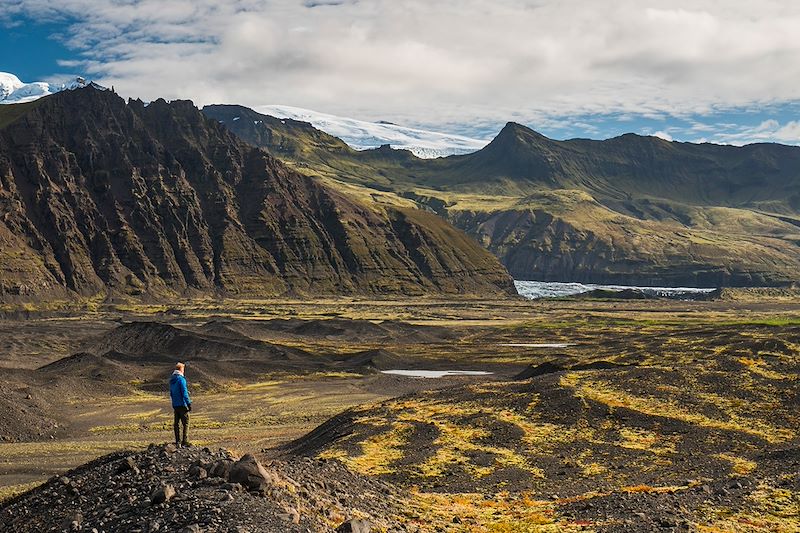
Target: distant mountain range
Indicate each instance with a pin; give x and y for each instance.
(103, 197)
(629, 210)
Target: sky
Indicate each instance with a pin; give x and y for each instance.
(723, 71)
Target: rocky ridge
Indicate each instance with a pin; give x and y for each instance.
(99, 196)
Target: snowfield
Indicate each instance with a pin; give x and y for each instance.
(363, 135)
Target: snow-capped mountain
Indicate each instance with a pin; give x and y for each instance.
(363, 135)
(359, 134)
(14, 91)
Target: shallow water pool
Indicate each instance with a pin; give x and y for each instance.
(435, 373)
(538, 344)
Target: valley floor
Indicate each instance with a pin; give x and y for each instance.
(596, 415)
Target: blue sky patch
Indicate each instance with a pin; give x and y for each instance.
(32, 50)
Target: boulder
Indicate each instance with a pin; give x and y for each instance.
(129, 463)
(249, 473)
(221, 469)
(291, 515)
(198, 472)
(354, 526)
(163, 494)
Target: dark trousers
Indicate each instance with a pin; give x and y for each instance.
(181, 419)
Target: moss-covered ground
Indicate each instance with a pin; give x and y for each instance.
(652, 413)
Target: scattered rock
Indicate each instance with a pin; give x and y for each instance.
(293, 515)
(299, 496)
(163, 494)
(129, 464)
(112, 499)
(226, 496)
(72, 523)
(198, 472)
(354, 526)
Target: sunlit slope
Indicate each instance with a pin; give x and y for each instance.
(626, 210)
(659, 421)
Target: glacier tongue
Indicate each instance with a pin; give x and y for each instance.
(14, 91)
(364, 135)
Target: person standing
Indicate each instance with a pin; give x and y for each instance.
(181, 404)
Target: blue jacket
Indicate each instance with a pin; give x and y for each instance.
(178, 390)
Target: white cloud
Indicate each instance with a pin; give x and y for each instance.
(767, 131)
(470, 64)
(663, 135)
(769, 125)
(789, 132)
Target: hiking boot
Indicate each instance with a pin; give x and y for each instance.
(186, 444)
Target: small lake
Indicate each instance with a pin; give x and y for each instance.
(435, 373)
(552, 289)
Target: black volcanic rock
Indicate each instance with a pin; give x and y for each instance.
(157, 489)
(99, 195)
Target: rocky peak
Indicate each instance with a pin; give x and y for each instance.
(514, 134)
(516, 153)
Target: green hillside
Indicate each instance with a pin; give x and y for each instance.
(630, 209)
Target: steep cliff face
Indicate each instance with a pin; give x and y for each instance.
(536, 245)
(97, 194)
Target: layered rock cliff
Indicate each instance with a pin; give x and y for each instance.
(99, 195)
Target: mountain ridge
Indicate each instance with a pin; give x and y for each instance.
(101, 195)
(628, 210)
